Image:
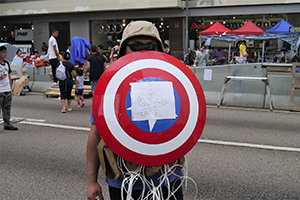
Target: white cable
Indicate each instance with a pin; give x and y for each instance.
(155, 192)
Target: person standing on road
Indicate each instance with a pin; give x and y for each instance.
(53, 53)
(79, 87)
(100, 50)
(94, 65)
(201, 58)
(137, 36)
(66, 86)
(5, 90)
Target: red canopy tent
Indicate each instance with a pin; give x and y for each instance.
(216, 29)
(248, 29)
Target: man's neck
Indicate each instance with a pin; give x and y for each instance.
(1, 60)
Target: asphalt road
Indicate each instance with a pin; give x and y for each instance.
(45, 158)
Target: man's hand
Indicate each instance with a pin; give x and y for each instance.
(94, 190)
(3, 76)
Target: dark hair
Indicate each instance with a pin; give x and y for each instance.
(100, 46)
(166, 46)
(18, 51)
(79, 71)
(94, 50)
(35, 52)
(2, 48)
(54, 30)
(67, 56)
(111, 44)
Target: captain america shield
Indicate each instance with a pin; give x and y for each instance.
(149, 108)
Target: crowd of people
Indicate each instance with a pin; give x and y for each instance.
(96, 61)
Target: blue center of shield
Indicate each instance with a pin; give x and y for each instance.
(161, 124)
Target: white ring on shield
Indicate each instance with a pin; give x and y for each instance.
(117, 131)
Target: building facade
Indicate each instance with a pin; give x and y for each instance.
(102, 22)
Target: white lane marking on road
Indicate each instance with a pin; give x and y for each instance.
(19, 119)
(218, 142)
(259, 146)
(35, 120)
(253, 109)
(55, 125)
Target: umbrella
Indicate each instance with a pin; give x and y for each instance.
(11, 51)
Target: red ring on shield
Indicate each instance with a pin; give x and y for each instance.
(114, 125)
(130, 128)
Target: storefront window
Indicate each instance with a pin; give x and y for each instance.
(107, 32)
(7, 33)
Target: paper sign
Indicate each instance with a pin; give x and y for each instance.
(152, 101)
(207, 74)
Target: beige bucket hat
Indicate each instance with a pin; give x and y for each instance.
(139, 28)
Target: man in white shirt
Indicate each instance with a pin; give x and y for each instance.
(5, 90)
(53, 52)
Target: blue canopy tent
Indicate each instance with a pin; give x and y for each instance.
(282, 31)
(281, 27)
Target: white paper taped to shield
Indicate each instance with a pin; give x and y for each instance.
(152, 101)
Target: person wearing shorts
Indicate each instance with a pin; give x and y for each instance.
(79, 87)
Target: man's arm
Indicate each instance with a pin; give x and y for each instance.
(93, 164)
(9, 77)
(56, 53)
(88, 66)
(106, 60)
(196, 60)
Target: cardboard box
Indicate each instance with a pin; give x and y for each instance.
(18, 86)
